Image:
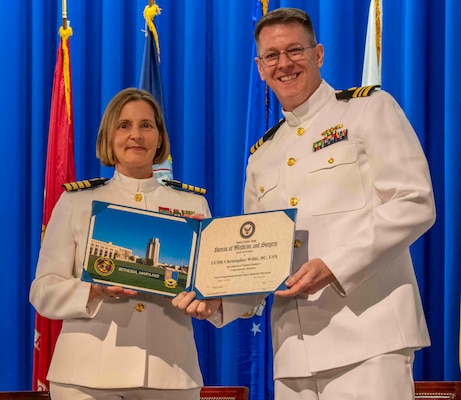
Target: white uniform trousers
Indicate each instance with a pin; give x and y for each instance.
(385, 377)
(60, 391)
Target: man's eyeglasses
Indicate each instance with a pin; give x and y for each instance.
(294, 54)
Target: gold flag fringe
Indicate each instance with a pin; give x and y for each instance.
(65, 33)
(265, 6)
(378, 30)
(150, 12)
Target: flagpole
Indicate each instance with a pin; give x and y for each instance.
(64, 14)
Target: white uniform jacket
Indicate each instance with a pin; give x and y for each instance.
(363, 197)
(113, 343)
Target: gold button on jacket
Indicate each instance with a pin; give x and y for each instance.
(291, 161)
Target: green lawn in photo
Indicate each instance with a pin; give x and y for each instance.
(139, 276)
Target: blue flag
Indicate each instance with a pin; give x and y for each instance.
(150, 71)
(254, 349)
(254, 352)
(152, 82)
(264, 109)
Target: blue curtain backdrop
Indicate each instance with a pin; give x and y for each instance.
(208, 82)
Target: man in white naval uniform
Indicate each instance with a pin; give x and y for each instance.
(352, 165)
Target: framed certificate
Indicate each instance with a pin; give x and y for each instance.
(163, 254)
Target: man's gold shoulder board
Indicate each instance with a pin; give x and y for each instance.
(355, 92)
(184, 186)
(85, 184)
(267, 136)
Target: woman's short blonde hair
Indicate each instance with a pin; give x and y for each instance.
(104, 143)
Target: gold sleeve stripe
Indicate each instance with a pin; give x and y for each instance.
(356, 92)
(184, 186)
(84, 184)
(256, 145)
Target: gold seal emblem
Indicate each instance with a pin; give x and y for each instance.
(104, 266)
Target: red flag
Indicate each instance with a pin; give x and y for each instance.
(60, 168)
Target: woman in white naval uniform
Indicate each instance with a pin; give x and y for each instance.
(116, 343)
